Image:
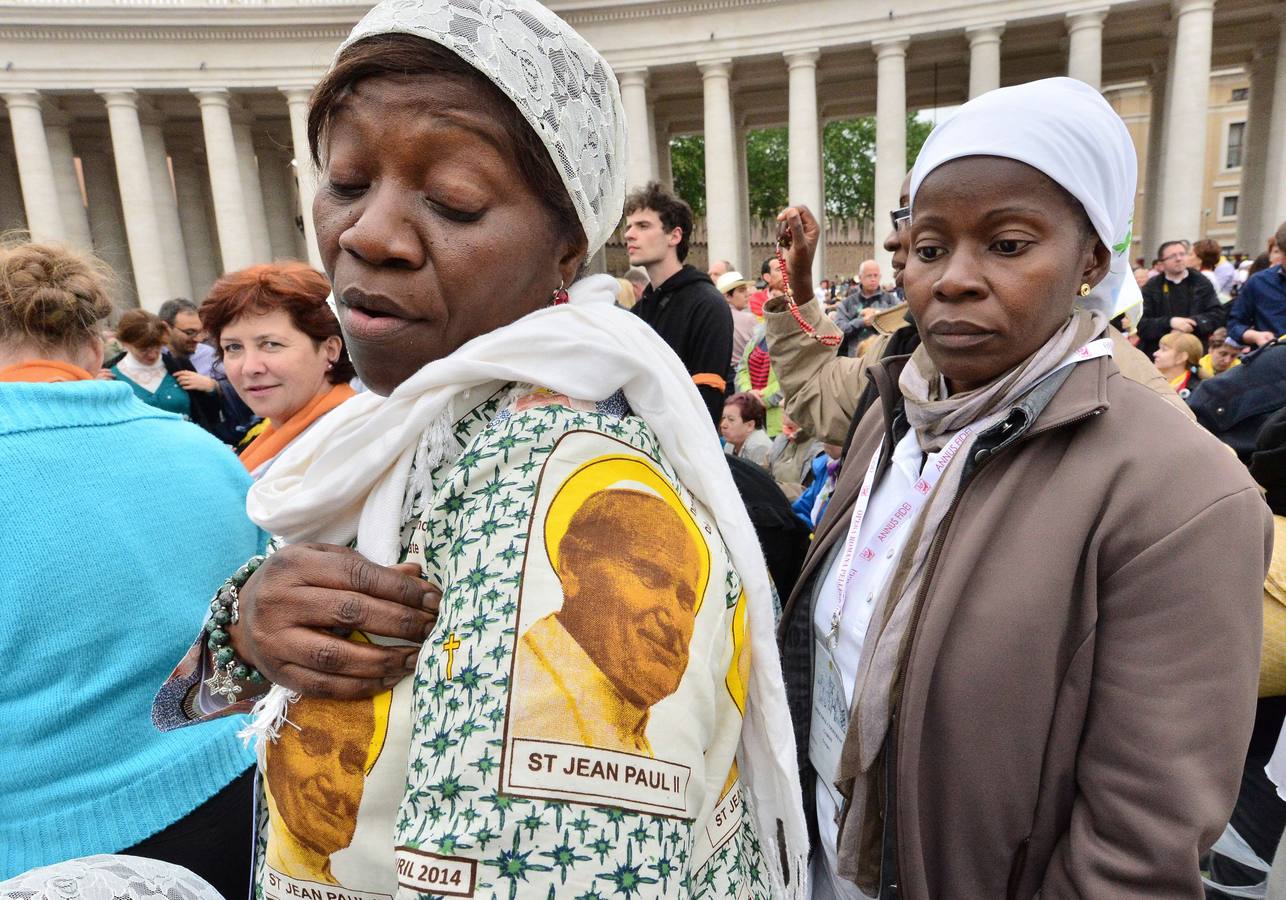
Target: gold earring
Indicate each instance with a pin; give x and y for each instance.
(1085, 289)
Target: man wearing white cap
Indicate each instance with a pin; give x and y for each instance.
(735, 287)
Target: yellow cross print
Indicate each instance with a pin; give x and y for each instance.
(451, 645)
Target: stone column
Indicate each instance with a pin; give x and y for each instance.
(35, 168)
(203, 266)
(12, 215)
(1274, 209)
(984, 58)
(1085, 46)
(890, 136)
(742, 260)
(720, 161)
(147, 253)
(653, 161)
(106, 218)
(248, 165)
(70, 202)
(1148, 229)
(167, 212)
(225, 181)
(278, 204)
(638, 121)
(305, 172)
(804, 183)
(1252, 231)
(1183, 169)
(664, 170)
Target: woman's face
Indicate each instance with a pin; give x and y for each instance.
(998, 252)
(148, 356)
(428, 231)
(735, 429)
(274, 367)
(1169, 358)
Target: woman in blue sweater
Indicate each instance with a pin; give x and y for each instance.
(96, 608)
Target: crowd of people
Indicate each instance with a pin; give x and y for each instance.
(458, 571)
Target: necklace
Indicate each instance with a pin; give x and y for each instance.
(826, 340)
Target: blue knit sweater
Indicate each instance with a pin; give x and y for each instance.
(117, 524)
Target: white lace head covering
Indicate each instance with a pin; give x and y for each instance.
(108, 877)
(1064, 128)
(561, 85)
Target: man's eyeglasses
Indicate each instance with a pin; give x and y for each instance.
(191, 332)
(1174, 257)
(901, 218)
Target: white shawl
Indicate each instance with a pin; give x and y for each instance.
(347, 477)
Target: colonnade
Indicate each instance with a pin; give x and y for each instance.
(171, 207)
(1174, 183)
(175, 200)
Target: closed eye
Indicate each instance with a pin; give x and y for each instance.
(345, 191)
(456, 215)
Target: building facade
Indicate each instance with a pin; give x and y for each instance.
(169, 135)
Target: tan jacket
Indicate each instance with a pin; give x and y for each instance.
(822, 390)
(1076, 698)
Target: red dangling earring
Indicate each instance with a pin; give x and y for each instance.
(560, 295)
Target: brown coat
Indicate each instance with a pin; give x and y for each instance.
(1078, 693)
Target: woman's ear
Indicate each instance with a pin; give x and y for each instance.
(331, 347)
(572, 259)
(1098, 263)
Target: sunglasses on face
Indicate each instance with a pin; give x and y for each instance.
(901, 218)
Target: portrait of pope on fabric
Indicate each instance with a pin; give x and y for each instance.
(316, 776)
(633, 567)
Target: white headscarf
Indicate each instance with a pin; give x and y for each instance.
(560, 84)
(1065, 129)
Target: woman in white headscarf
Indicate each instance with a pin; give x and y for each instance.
(1005, 679)
(594, 700)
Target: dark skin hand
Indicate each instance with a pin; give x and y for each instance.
(998, 253)
(798, 232)
(431, 236)
(289, 607)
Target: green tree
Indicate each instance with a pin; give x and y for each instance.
(848, 158)
(767, 170)
(688, 164)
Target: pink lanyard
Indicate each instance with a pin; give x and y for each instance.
(853, 559)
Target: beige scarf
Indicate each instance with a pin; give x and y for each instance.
(937, 419)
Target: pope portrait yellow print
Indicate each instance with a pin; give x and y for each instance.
(633, 566)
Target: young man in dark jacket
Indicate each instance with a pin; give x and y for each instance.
(681, 302)
(1177, 299)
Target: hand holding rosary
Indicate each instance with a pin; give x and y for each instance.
(784, 238)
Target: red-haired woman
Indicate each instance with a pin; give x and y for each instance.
(282, 351)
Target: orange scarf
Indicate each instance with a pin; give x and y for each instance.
(272, 440)
(44, 371)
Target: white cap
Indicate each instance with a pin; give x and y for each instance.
(730, 281)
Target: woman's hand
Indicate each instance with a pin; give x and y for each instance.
(798, 232)
(194, 381)
(289, 606)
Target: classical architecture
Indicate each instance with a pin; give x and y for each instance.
(168, 135)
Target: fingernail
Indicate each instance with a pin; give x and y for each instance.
(412, 661)
(428, 629)
(431, 599)
(392, 680)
